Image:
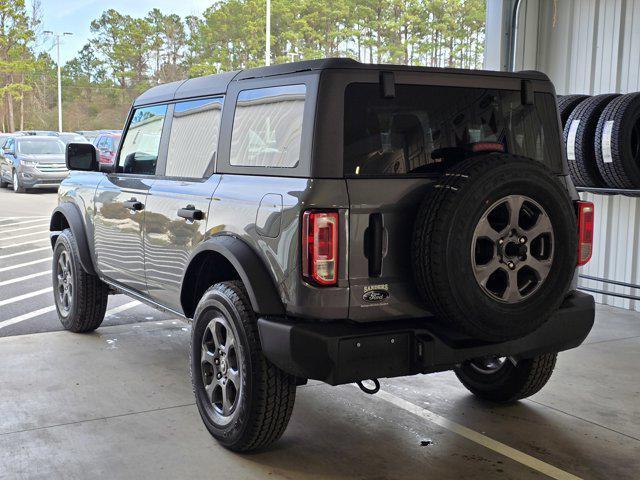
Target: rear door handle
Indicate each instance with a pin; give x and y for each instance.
(190, 213)
(133, 204)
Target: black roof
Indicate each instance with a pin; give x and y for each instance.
(217, 84)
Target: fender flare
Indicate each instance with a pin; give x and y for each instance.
(71, 214)
(263, 294)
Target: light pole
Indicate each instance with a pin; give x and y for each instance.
(267, 53)
(57, 37)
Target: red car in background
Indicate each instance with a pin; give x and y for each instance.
(107, 146)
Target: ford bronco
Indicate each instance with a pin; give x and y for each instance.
(335, 221)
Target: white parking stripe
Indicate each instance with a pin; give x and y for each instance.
(25, 264)
(20, 229)
(26, 316)
(30, 242)
(26, 222)
(480, 439)
(40, 232)
(26, 277)
(25, 252)
(42, 311)
(25, 296)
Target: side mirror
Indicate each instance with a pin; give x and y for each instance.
(82, 156)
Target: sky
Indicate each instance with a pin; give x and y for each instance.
(75, 16)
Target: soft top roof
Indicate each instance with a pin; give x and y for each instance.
(217, 84)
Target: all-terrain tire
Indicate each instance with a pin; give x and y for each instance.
(3, 182)
(88, 305)
(579, 136)
(511, 382)
(267, 394)
(443, 237)
(566, 105)
(618, 160)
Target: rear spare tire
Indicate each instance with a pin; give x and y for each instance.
(494, 246)
(618, 142)
(566, 105)
(579, 135)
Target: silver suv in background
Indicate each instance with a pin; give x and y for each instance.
(32, 162)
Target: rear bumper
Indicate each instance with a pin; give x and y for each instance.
(341, 352)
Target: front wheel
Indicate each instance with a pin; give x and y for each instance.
(80, 298)
(17, 186)
(506, 379)
(244, 400)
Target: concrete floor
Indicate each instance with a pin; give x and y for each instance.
(118, 404)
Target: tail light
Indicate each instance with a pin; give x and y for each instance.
(585, 232)
(320, 247)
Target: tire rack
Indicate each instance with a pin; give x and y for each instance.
(606, 281)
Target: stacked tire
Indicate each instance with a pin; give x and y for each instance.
(579, 135)
(602, 139)
(617, 142)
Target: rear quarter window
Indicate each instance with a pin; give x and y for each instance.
(426, 129)
(267, 127)
(193, 141)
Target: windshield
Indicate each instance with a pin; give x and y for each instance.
(426, 129)
(41, 147)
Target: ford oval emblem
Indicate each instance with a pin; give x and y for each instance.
(374, 296)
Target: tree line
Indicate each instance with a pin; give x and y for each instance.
(126, 55)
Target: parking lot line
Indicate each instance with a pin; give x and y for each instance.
(25, 252)
(30, 227)
(42, 311)
(30, 242)
(480, 439)
(40, 221)
(26, 277)
(25, 264)
(25, 296)
(22, 235)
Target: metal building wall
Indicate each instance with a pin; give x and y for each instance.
(592, 47)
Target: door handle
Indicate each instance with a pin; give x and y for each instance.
(133, 204)
(190, 213)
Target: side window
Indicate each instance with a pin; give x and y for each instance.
(267, 127)
(141, 143)
(193, 143)
(100, 143)
(108, 144)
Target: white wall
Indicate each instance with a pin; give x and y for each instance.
(592, 46)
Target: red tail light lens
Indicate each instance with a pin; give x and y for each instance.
(320, 247)
(585, 232)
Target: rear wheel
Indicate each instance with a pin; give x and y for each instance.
(80, 298)
(244, 400)
(506, 379)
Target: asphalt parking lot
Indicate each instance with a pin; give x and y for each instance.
(117, 403)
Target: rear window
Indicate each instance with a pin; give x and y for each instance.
(426, 129)
(267, 127)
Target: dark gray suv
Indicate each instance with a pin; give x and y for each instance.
(335, 221)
